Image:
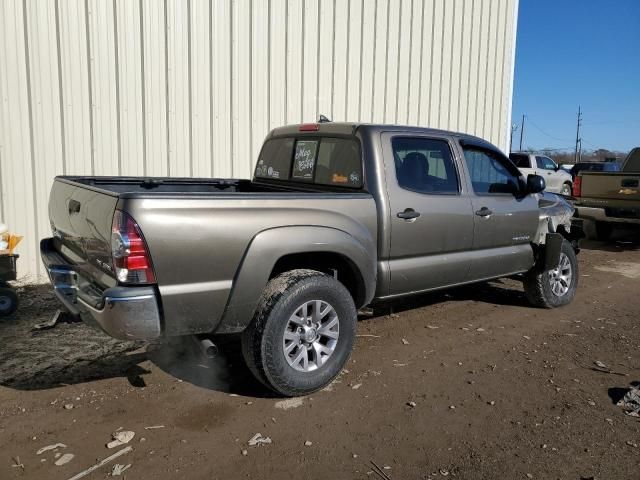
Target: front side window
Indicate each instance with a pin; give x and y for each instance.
(424, 165)
(489, 172)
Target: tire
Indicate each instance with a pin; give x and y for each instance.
(276, 336)
(603, 231)
(8, 301)
(566, 190)
(550, 288)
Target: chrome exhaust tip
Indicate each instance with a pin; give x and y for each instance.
(208, 348)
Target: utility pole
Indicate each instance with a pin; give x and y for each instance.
(578, 139)
(580, 151)
(521, 132)
(514, 128)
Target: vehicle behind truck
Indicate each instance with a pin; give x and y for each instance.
(609, 199)
(557, 179)
(337, 216)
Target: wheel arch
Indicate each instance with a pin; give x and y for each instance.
(281, 249)
(329, 262)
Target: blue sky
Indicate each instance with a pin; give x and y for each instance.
(578, 52)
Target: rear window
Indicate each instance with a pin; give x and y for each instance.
(320, 160)
(520, 159)
(275, 159)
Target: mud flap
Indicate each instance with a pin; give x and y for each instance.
(552, 246)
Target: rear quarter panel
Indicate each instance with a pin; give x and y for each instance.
(197, 244)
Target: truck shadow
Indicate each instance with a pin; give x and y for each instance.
(623, 238)
(226, 372)
(507, 292)
(73, 353)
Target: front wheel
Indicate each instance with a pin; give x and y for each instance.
(566, 190)
(553, 287)
(302, 332)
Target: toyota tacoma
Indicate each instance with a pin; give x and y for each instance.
(337, 216)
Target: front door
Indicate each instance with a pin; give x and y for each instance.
(505, 222)
(431, 219)
(548, 170)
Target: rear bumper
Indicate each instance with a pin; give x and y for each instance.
(600, 215)
(126, 313)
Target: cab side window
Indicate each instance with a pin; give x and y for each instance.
(546, 163)
(424, 165)
(490, 174)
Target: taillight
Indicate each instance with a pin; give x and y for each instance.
(131, 259)
(577, 186)
(309, 127)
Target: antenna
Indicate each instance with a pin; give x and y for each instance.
(323, 119)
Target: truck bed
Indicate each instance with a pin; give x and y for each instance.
(611, 197)
(198, 232)
(129, 187)
(612, 186)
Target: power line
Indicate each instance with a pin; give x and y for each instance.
(579, 141)
(559, 149)
(545, 133)
(597, 147)
(589, 143)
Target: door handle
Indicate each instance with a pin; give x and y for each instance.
(408, 214)
(484, 212)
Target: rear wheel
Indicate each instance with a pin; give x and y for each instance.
(566, 190)
(553, 287)
(302, 332)
(8, 301)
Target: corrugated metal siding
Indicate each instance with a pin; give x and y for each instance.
(191, 87)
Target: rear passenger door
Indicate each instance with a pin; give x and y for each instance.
(431, 218)
(505, 222)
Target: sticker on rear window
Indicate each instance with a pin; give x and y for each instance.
(304, 160)
(337, 178)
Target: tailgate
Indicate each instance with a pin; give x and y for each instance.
(81, 218)
(619, 188)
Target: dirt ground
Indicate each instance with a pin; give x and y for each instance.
(501, 391)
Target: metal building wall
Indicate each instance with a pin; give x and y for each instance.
(191, 87)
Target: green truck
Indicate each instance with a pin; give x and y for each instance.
(608, 199)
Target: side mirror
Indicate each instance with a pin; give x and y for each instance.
(535, 184)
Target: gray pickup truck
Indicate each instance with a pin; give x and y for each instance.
(338, 216)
